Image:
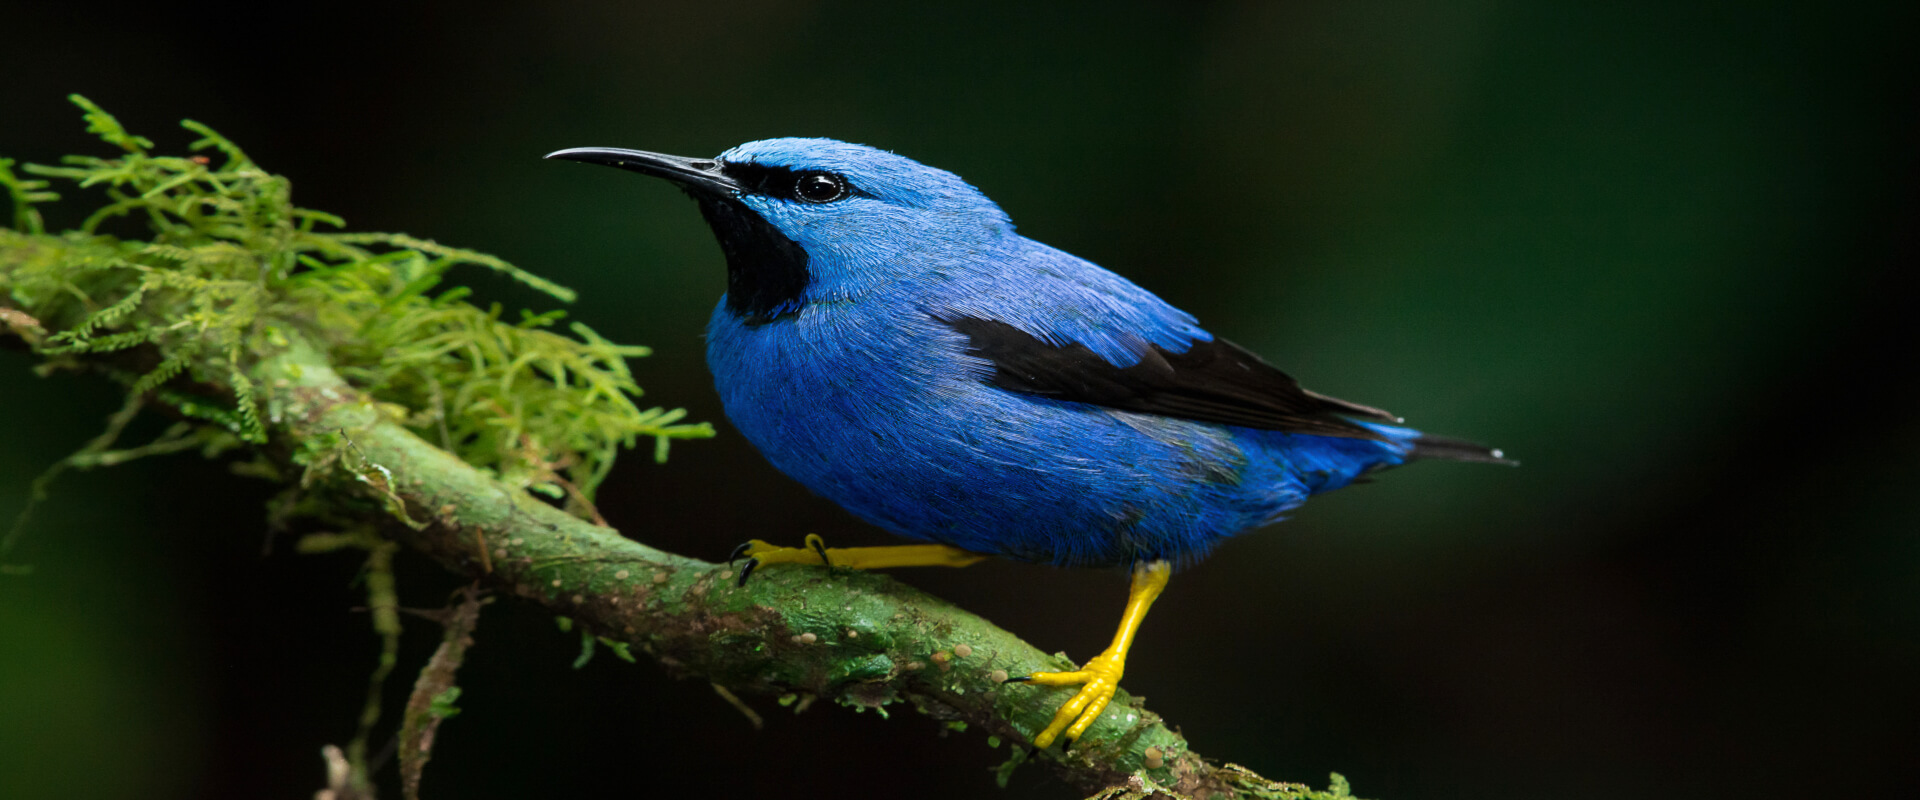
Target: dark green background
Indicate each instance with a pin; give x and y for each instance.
(1661, 254)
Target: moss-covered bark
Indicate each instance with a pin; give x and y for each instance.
(859, 638)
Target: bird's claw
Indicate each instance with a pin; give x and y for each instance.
(759, 553)
(1098, 681)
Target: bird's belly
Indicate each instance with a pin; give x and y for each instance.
(912, 444)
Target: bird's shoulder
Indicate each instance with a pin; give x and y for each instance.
(1063, 300)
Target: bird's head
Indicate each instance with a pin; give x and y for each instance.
(808, 219)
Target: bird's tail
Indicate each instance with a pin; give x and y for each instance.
(1442, 447)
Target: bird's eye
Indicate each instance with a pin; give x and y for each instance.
(819, 187)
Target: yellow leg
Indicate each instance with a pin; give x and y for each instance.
(815, 551)
(1101, 675)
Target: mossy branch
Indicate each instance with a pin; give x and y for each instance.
(390, 409)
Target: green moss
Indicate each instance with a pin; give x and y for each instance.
(231, 263)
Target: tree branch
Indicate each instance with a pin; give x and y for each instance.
(859, 638)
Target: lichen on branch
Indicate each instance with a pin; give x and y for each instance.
(403, 414)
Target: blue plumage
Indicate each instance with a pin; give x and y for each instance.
(892, 343)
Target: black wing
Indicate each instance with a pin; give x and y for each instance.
(1213, 381)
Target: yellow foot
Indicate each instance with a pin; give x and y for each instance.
(1101, 676)
(815, 551)
(1097, 681)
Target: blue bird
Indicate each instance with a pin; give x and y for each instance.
(889, 341)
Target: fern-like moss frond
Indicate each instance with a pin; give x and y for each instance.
(231, 259)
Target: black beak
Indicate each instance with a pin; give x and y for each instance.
(696, 175)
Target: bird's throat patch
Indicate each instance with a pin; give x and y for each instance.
(766, 271)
